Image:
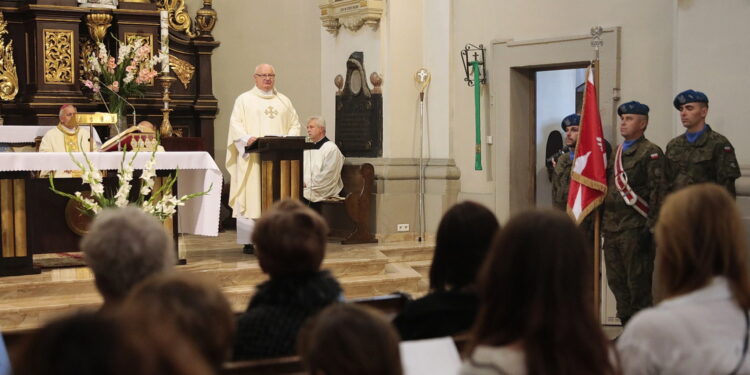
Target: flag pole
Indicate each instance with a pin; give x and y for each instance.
(597, 42)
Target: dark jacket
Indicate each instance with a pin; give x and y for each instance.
(277, 311)
(438, 314)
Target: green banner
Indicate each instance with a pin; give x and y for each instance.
(477, 119)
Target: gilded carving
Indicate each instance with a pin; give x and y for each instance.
(8, 75)
(205, 20)
(98, 23)
(182, 69)
(58, 56)
(179, 19)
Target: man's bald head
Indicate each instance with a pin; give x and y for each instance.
(147, 127)
(265, 77)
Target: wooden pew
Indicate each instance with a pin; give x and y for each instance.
(293, 364)
(358, 182)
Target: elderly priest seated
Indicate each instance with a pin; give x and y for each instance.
(322, 165)
(66, 137)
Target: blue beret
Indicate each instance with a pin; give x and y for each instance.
(633, 108)
(689, 96)
(570, 120)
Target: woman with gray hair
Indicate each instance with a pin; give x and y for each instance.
(123, 247)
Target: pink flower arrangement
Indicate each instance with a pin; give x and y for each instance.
(127, 74)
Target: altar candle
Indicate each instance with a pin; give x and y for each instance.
(164, 19)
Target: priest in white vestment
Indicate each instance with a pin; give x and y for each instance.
(259, 112)
(322, 164)
(66, 137)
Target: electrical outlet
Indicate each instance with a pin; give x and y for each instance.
(402, 227)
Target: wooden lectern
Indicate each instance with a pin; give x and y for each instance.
(280, 168)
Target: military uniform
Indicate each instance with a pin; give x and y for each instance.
(628, 246)
(710, 158)
(561, 181)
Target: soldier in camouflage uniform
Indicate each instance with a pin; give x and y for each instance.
(636, 184)
(561, 175)
(701, 154)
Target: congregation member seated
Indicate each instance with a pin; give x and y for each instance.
(346, 339)
(192, 306)
(536, 314)
(94, 344)
(702, 325)
(322, 165)
(123, 247)
(463, 238)
(290, 242)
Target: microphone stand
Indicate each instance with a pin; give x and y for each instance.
(117, 125)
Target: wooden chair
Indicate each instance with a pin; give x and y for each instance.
(358, 182)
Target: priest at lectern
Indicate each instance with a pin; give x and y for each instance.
(259, 112)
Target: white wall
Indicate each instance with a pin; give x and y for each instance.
(712, 51)
(555, 99)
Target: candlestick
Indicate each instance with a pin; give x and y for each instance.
(164, 22)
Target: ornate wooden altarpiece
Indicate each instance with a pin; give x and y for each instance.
(44, 40)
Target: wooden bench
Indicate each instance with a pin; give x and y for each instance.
(293, 365)
(358, 182)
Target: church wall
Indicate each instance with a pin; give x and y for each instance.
(646, 69)
(282, 33)
(711, 55)
(410, 35)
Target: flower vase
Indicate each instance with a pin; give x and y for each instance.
(119, 126)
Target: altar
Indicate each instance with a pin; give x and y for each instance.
(197, 172)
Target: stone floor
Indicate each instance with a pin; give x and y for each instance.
(364, 270)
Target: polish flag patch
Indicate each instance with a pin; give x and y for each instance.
(727, 148)
(654, 156)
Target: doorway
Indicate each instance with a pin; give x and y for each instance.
(559, 93)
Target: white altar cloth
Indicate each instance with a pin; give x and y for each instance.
(197, 171)
(27, 133)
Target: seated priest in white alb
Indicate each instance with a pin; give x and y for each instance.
(322, 165)
(66, 137)
(141, 137)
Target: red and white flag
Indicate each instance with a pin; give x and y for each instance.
(588, 179)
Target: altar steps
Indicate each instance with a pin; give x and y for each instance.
(363, 270)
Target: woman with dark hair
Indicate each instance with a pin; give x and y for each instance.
(290, 242)
(88, 343)
(702, 325)
(348, 339)
(463, 236)
(536, 313)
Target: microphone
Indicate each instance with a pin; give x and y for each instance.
(123, 99)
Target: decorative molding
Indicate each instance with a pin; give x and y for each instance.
(179, 19)
(352, 14)
(8, 74)
(98, 23)
(339, 82)
(377, 81)
(205, 20)
(58, 57)
(182, 69)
